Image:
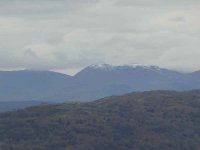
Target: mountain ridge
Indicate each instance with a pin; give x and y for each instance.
(92, 82)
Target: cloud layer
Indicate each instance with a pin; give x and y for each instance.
(68, 35)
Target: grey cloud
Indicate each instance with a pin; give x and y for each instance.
(68, 34)
(178, 19)
(161, 3)
(46, 9)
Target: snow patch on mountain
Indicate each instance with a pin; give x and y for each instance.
(108, 67)
(144, 66)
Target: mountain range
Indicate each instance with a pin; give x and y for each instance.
(93, 82)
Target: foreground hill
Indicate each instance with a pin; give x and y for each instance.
(93, 82)
(156, 120)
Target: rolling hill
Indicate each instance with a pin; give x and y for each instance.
(154, 120)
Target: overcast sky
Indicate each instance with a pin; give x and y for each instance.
(71, 34)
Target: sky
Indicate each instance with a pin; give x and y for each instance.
(67, 35)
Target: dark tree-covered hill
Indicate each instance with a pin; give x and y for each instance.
(158, 120)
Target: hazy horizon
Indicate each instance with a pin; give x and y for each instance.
(73, 72)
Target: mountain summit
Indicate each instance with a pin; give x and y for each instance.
(133, 66)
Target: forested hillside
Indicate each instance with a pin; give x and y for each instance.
(158, 120)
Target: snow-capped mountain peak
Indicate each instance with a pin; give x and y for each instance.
(108, 67)
(102, 66)
(145, 66)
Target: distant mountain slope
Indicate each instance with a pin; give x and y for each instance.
(159, 120)
(104, 80)
(31, 85)
(91, 83)
(139, 78)
(10, 105)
